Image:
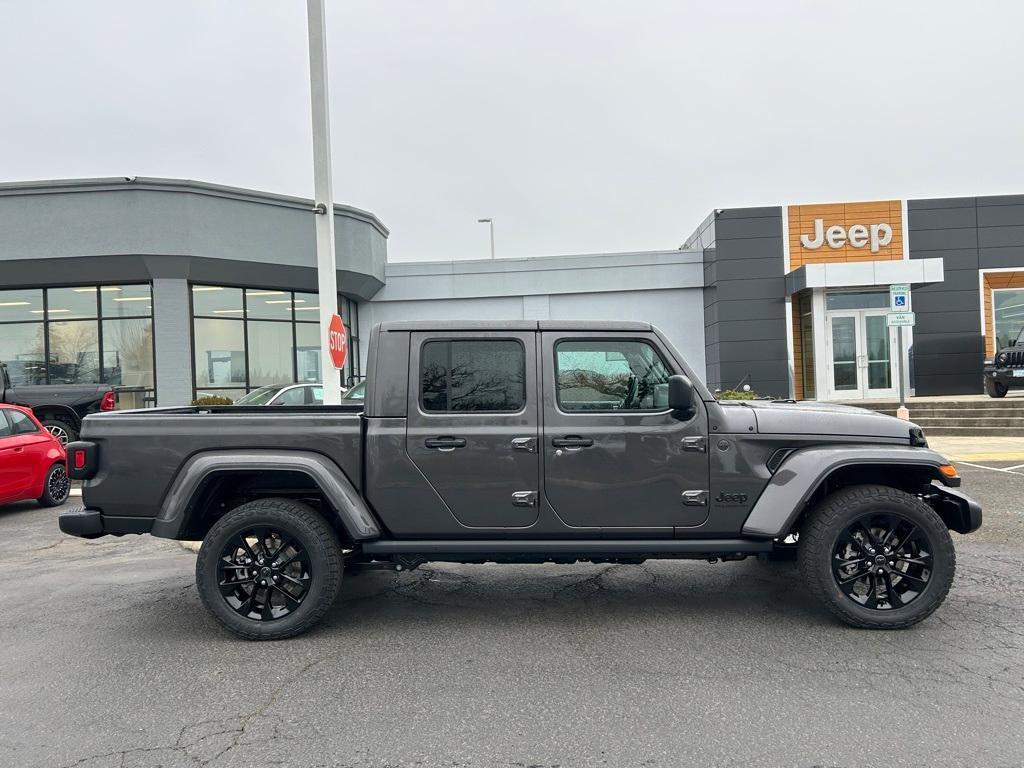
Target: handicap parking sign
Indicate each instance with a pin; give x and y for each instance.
(899, 297)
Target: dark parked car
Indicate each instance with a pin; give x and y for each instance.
(526, 442)
(60, 407)
(32, 461)
(1005, 371)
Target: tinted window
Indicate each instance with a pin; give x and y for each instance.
(479, 375)
(21, 424)
(597, 375)
(5, 427)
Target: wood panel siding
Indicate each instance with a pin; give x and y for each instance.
(992, 281)
(801, 222)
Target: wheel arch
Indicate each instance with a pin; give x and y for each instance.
(809, 474)
(212, 483)
(52, 411)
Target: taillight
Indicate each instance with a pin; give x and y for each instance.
(109, 401)
(83, 458)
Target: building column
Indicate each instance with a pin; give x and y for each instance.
(172, 341)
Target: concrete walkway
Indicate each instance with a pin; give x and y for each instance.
(978, 448)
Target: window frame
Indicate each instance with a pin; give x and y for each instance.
(45, 321)
(606, 411)
(348, 309)
(995, 331)
(448, 413)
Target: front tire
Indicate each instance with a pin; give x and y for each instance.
(994, 389)
(56, 487)
(877, 557)
(269, 569)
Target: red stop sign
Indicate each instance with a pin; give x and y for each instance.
(337, 341)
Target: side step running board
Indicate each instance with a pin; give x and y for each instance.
(576, 547)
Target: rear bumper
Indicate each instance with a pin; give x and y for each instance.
(91, 524)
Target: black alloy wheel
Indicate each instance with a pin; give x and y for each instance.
(269, 569)
(57, 486)
(264, 574)
(882, 561)
(876, 556)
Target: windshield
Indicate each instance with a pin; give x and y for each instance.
(260, 396)
(356, 393)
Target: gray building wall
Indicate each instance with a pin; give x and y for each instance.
(969, 234)
(661, 287)
(115, 230)
(744, 300)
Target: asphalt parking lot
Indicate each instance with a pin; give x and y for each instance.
(108, 659)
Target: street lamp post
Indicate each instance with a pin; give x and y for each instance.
(323, 196)
(489, 222)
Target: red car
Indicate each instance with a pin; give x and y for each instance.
(33, 463)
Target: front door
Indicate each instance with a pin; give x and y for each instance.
(615, 455)
(16, 461)
(472, 428)
(862, 355)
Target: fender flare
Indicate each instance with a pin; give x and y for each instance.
(349, 506)
(803, 472)
(57, 409)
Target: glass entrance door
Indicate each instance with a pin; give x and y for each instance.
(861, 357)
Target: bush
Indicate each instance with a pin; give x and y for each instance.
(212, 400)
(735, 394)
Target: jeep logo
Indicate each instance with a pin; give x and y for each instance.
(857, 236)
(731, 498)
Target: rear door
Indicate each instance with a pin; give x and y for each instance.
(615, 455)
(16, 460)
(472, 428)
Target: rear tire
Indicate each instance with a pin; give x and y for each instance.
(895, 540)
(269, 569)
(56, 487)
(61, 429)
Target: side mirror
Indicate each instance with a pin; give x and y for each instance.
(680, 393)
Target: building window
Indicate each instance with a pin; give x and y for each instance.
(246, 338)
(610, 375)
(472, 375)
(1007, 315)
(78, 335)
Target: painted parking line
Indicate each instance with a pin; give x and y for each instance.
(1007, 470)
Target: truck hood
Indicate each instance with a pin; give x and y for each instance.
(814, 418)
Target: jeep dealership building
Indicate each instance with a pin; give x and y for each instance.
(182, 288)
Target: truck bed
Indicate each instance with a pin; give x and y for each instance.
(153, 444)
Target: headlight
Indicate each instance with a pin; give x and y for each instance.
(1001, 358)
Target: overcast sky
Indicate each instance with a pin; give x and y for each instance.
(578, 126)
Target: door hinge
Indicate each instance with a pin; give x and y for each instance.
(528, 444)
(698, 443)
(695, 498)
(524, 499)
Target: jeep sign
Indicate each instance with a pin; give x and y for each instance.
(857, 236)
(337, 342)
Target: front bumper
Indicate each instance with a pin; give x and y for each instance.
(958, 511)
(1003, 376)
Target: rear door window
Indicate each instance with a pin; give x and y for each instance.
(5, 425)
(21, 424)
(472, 375)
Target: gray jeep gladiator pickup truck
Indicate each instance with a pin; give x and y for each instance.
(525, 442)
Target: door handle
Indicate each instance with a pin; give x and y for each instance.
(528, 444)
(18, 448)
(572, 441)
(445, 443)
